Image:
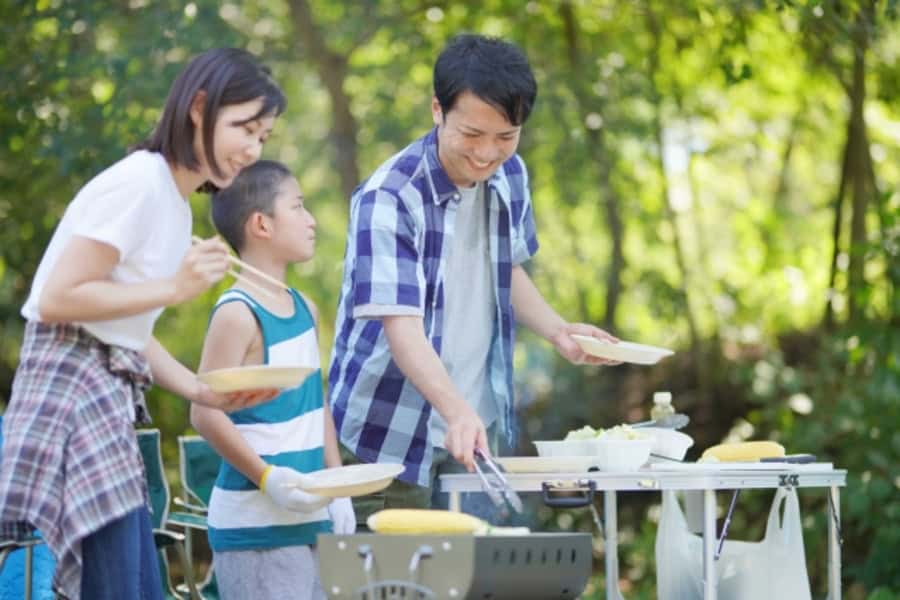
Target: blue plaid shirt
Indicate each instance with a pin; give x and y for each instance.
(399, 239)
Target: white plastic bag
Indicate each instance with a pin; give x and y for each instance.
(772, 569)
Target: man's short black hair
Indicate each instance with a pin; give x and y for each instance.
(253, 190)
(494, 70)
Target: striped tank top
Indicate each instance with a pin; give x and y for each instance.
(286, 431)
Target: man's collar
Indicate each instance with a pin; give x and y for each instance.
(444, 188)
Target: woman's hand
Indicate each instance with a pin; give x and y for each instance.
(204, 265)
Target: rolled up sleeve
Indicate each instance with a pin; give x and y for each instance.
(388, 276)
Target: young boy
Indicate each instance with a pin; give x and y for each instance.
(262, 529)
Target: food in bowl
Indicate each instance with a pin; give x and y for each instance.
(585, 433)
(622, 432)
(668, 443)
(619, 448)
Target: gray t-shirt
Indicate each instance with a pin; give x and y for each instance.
(469, 306)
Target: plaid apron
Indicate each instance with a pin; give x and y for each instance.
(71, 463)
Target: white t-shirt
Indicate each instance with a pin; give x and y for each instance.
(469, 306)
(134, 206)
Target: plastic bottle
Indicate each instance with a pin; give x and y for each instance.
(662, 406)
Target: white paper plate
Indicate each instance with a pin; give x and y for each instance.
(623, 351)
(353, 480)
(254, 377)
(547, 464)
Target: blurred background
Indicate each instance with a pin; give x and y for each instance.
(716, 177)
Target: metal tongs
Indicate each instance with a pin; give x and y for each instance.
(494, 482)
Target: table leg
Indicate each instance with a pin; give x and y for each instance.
(611, 545)
(834, 543)
(709, 544)
(454, 502)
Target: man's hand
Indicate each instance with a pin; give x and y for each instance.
(282, 484)
(465, 432)
(343, 518)
(571, 351)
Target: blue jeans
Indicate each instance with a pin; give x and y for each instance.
(121, 561)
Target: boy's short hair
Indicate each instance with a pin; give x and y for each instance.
(253, 190)
(494, 70)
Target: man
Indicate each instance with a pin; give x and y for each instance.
(422, 366)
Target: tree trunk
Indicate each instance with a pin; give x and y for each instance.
(602, 157)
(859, 166)
(332, 70)
(656, 101)
(836, 230)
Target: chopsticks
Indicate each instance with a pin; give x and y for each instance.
(245, 267)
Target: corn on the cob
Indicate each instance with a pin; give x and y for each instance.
(413, 521)
(743, 451)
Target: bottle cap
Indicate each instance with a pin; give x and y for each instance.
(662, 398)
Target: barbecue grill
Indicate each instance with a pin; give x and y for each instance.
(425, 567)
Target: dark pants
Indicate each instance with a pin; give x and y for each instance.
(121, 561)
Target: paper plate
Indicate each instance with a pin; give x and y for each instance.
(352, 480)
(547, 464)
(623, 351)
(254, 377)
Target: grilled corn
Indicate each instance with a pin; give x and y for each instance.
(742, 451)
(412, 521)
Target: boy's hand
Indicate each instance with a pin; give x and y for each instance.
(282, 484)
(342, 516)
(232, 401)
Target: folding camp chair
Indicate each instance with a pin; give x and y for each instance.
(25, 560)
(198, 466)
(158, 488)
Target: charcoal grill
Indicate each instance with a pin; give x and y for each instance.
(435, 567)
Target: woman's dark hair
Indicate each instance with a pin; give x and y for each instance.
(227, 76)
(253, 190)
(494, 70)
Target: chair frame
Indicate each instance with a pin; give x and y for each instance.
(194, 505)
(165, 537)
(7, 547)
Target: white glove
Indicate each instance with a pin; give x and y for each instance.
(282, 484)
(342, 516)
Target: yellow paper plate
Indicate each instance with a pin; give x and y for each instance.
(352, 480)
(255, 377)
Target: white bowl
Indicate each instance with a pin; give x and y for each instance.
(668, 442)
(620, 455)
(563, 447)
